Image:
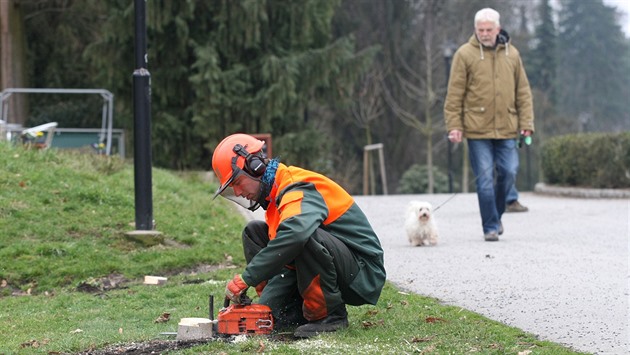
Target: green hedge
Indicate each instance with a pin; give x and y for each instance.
(597, 160)
(416, 180)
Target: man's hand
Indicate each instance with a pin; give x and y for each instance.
(235, 288)
(455, 136)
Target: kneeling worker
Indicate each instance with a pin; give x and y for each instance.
(315, 252)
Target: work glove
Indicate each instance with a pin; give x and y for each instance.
(235, 288)
(260, 287)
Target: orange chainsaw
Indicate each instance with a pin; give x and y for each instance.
(243, 318)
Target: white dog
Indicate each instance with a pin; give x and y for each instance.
(420, 225)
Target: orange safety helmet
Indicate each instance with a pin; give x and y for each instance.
(234, 155)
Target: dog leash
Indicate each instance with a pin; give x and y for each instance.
(457, 193)
(522, 140)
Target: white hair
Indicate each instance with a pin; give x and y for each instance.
(487, 15)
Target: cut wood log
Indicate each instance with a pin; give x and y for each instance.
(154, 280)
(194, 329)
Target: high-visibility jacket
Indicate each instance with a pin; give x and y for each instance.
(302, 201)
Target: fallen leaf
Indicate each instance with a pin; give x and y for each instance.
(404, 303)
(76, 331)
(163, 318)
(3, 283)
(368, 324)
(120, 331)
(372, 312)
(30, 344)
(261, 349)
(434, 319)
(22, 184)
(421, 340)
(524, 352)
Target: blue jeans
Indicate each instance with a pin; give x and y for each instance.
(512, 194)
(495, 164)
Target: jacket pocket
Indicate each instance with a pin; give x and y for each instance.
(475, 119)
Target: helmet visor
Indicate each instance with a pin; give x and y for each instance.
(236, 171)
(228, 193)
(226, 185)
(227, 190)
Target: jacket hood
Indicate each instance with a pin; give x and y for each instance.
(503, 40)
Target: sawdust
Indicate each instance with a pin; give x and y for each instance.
(149, 347)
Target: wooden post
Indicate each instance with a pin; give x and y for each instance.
(366, 170)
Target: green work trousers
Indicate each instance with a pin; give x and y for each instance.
(315, 285)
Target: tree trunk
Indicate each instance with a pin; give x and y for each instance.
(12, 58)
(430, 101)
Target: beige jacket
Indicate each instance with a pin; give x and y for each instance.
(488, 92)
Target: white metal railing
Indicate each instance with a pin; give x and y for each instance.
(107, 113)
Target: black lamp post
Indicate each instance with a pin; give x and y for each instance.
(448, 52)
(142, 123)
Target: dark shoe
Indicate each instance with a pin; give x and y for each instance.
(328, 324)
(516, 207)
(500, 228)
(491, 237)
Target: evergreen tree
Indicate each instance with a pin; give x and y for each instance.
(541, 60)
(267, 66)
(56, 36)
(216, 68)
(592, 72)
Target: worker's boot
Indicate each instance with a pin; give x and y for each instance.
(337, 320)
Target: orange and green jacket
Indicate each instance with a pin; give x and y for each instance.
(302, 201)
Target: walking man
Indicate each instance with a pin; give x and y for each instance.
(489, 102)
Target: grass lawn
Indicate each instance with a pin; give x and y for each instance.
(71, 282)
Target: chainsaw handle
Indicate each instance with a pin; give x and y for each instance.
(245, 300)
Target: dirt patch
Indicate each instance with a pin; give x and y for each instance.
(118, 281)
(102, 284)
(149, 347)
(164, 346)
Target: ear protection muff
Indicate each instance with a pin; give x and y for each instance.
(254, 164)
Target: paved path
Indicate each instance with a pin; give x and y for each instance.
(560, 271)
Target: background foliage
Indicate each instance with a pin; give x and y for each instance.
(600, 160)
(415, 181)
(325, 78)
